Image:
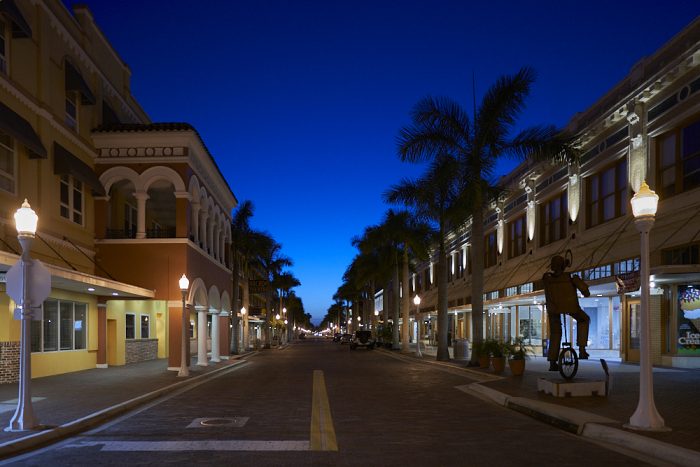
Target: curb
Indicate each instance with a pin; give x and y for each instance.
(586, 425)
(26, 443)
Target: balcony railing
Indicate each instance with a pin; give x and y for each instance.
(168, 232)
(120, 233)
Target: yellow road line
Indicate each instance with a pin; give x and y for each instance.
(322, 431)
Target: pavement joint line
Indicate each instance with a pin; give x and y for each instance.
(26, 443)
(586, 425)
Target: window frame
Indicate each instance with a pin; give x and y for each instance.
(127, 327)
(12, 151)
(595, 207)
(78, 337)
(490, 250)
(72, 212)
(148, 326)
(517, 244)
(71, 101)
(548, 228)
(677, 166)
(4, 49)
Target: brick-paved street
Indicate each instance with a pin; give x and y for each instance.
(385, 412)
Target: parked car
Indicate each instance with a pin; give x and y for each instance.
(336, 337)
(345, 338)
(362, 339)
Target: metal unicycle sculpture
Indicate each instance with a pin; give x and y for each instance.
(568, 359)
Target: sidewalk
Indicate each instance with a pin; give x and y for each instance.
(676, 394)
(74, 401)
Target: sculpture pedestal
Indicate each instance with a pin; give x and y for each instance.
(574, 388)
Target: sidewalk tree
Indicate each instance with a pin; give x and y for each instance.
(241, 246)
(440, 127)
(270, 261)
(437, 198)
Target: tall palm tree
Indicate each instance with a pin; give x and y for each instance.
(241, 245)
(441, 127)
(271, 262)
(284, 282)
(436, 198)
(388, 241)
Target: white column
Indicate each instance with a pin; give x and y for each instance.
(215, 354)
(203, 233)
(195, 221)
(201, 336)
(141, 198)
(210, 238)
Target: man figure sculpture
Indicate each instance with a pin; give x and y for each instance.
(560, 293)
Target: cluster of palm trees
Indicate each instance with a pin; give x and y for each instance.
(461, 152)
(256, 255)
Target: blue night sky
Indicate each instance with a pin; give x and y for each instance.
(300, 102)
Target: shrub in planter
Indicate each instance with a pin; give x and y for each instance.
(518, 352)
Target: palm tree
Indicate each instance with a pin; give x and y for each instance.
(436, 198)
(441, 127)
(387, 241)
(284, 282)
(271, 262)
(241, 248)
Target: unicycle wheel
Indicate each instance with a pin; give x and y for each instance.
(568, 363)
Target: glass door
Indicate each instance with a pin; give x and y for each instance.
(634, 319)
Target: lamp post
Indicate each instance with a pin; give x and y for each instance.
(23, 419)
(416, 301)
(646, 417)
(184, 284)
(286, 332)
(245, 328)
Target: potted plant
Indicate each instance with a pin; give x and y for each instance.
(497, 350)
(518, 353)
(480, 349)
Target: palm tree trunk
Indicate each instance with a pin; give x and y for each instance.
(443, 352)
(405, 302)
(477, 276)
(268, 322)
(234, 305)
(395, 307)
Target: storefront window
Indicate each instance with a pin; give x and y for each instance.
(689, 320)
(530, 324)
(598, 309)
(616, 322)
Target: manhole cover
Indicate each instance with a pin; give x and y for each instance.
(235, 422)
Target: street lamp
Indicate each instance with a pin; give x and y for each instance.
(184, 284)
(416, 301)
(23, 419)
(245, 328)
(646, 417)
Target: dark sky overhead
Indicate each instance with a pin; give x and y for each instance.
(300, 102)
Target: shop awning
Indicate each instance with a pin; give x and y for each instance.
(65, 163)
(75, 82)
(20, 129)
(20, 27)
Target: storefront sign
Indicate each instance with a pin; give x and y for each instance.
(627, 282)
(688, 320)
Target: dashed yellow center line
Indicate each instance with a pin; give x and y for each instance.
(322, 431)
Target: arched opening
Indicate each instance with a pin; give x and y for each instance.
(122, 211)
(161, 210)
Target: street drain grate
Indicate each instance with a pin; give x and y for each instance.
(235, 422)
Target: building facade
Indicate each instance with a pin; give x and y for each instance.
(125, 206)
(645, 128)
